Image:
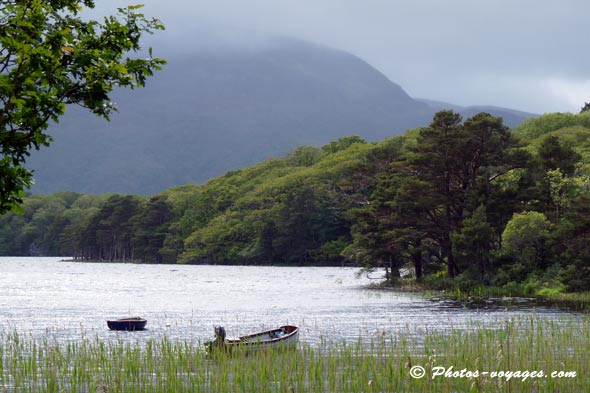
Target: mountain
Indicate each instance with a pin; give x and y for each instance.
(511, 117)
(212, 111)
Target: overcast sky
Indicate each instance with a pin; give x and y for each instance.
(531, 55)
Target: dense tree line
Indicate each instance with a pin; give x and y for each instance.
(88, 227)
(458, 203)
(461, 196)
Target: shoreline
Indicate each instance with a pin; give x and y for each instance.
(482, 295)
(572, 301)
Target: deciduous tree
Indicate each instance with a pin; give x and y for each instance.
(50, 56)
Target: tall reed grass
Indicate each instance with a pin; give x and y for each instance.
(383, 364)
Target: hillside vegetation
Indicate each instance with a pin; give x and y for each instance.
(461, 203)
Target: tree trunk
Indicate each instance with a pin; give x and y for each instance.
(452, 269)
(417, 259)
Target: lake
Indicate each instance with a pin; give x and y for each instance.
(71, 301)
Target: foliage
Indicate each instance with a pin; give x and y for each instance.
(473, 244)
(289, 210)
(342, 144)
(458, 204)
(421, 202)
(536, 126)
(50, 57)
(524, 238)
(554, 155)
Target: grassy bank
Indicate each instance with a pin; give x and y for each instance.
(542, 295)
(574, 301)
(527, 345)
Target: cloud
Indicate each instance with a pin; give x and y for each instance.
(503, 48)
(531, 93)
(574, 93)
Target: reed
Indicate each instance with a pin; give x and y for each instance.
(575, 301)
(382, 364)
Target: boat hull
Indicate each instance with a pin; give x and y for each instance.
(127, 324)
(283, 338)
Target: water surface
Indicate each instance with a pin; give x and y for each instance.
(70, 300)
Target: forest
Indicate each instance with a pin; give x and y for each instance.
(460, 203)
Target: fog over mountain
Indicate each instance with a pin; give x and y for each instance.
(527, 55)
(220, 109)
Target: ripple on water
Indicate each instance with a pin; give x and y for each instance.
(69, 300)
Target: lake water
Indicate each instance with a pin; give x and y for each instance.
(68, 300)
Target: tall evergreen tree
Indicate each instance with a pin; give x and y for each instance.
(456, 164)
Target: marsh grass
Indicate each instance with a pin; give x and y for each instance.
(547, 297)
(379, 365)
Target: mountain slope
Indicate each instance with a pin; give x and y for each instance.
(213, 111)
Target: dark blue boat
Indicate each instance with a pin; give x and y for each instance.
(129, 324)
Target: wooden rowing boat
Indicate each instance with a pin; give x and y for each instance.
(129, 324)
(283, 337)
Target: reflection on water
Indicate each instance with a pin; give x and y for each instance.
(72, 300)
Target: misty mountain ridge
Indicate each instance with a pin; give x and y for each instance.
(512, 117)
(212, 111)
